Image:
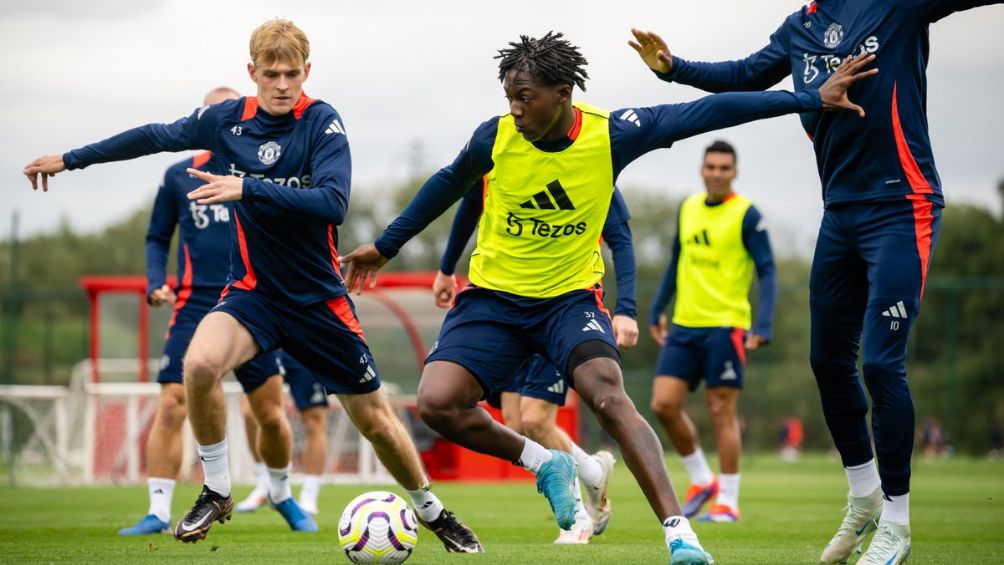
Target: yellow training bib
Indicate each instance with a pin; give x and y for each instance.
(539, 235)
(715, 269)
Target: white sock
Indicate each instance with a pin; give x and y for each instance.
(896, 509)
(580, 507)
(863, 479)
(310, 489)
(161, 491)
(534, 455)
(261, 473)
(728, 490)
(698, 469)
(278, 484)
(679, 527)
(216, 467)
(427, 505)
(587, 467)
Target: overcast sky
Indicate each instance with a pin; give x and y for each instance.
(420, 73)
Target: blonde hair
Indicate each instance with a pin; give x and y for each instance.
(279, 40)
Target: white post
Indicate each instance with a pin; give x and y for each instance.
(132, 432)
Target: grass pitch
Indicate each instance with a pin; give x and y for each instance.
(789, 511)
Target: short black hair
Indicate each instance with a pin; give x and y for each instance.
(719, 146)
(550, 60)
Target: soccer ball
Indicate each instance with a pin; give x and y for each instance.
(378, 527)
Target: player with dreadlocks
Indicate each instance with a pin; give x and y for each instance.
(547, 171)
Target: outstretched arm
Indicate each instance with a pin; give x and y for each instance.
(759, 71)
(661, 126)
(191, 132)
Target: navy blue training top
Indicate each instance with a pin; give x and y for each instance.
(296, 169)
(885, 156)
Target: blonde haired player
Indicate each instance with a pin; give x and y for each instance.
(287, 169)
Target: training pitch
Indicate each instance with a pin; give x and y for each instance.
(789, 511)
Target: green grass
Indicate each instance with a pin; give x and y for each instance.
(789, 512)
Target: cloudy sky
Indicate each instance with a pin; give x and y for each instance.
(415, 78)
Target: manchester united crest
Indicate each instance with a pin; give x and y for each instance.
(833, 35)
(269, 153)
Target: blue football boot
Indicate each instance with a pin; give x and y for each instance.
(148, 525)
(298, 520)
(556, 481)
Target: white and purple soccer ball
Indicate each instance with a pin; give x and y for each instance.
(378, 527)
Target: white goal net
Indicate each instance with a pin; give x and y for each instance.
(95, 433)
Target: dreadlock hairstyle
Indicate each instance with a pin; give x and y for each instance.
(550, 59)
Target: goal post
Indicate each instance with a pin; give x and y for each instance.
(95, 430)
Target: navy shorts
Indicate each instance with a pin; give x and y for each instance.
(492, 333)
(324, 336)
(714, 354)
(537, 378)
(189, 310)
(307, 391)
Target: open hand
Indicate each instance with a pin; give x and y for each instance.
(45, 166)
(653, 50)
(218, 188)
(833, 92)
(363, 264)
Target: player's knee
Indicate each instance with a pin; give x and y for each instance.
(313, 420)
(536, 424)
(437, 411)
(719, 409)
(612, 405)
(202, 369)
(665, 408)
(378, 427)
(270, 418)
(885, 379)
(173, 410)
(819, 362)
